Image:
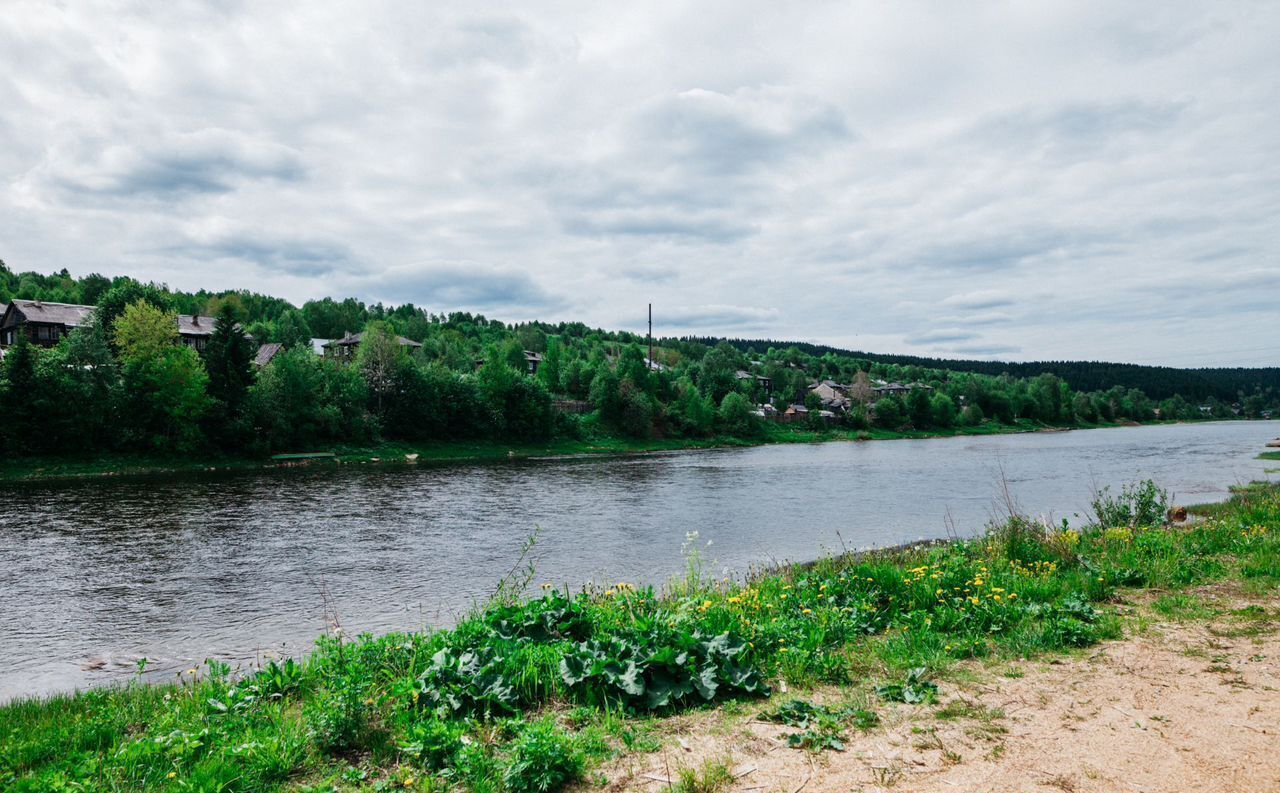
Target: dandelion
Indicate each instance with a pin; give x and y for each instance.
(807, 611)
(172, 775)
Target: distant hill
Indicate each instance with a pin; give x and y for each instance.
(1158, 382)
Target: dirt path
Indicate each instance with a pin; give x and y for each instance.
(1184, 706)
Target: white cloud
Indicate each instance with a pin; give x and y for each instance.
(1053, 180)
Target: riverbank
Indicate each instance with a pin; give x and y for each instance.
(53, 468)
(608, 686)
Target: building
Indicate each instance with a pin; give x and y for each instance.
(318, 345)
(195, 330)
(758, 379)
(267, 353)
(344, 349)
(41, 322)
(532, 360)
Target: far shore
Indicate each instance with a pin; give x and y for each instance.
(55, 468)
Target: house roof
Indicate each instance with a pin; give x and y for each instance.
(530, 355)
(266, 352)
(196, 325)
(69, 314)
(352, 339)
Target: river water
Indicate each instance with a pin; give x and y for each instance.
(95, 574)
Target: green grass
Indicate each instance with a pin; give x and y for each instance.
(1270, 455)
(532, 694)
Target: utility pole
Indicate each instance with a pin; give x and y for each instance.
(651, 336)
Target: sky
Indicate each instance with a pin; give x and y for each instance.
(1022, 181)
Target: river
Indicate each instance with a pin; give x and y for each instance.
(95, 574)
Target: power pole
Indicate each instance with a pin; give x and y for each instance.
(650, 336)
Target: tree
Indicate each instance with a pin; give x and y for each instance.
(942, 410)
(143, 331)
(124, 293)
(889, 413)
(17, 387)
(737, 417)
(636, 418)
(292, 329)
(228, 358)
(377, 357)
(164, 383)
(919, 408)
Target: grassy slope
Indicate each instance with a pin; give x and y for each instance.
(527, 695)
(17, 469)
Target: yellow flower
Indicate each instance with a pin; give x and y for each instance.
(408, 782)
(807, 611)
(782, 649)
(173, 774)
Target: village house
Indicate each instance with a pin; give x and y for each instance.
(41, 322)
(532, 361)
(760, 380)
(195, 330)
(267, 353)
(834, 396)
(318, 345)
(794, 414)
(344, 349)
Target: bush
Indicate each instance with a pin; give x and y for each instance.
(1140, 504)
(544, 759)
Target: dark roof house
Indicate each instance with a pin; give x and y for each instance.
(346, 346)
(266, 353)
(42, 322)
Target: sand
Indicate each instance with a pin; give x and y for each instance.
(1177, 706)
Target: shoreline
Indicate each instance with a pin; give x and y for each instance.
(20, 470)
(851, 651)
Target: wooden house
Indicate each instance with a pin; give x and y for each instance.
(42, 322)
(344, 349)
(266, 354)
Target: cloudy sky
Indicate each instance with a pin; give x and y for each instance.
(1016, 180)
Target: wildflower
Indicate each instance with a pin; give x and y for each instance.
(782, 649)
(735, 599)
(173, 774)
(546, 586)
(807, 611)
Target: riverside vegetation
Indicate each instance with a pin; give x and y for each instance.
(535, 693)
(121, 394)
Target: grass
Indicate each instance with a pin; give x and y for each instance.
(1270, 455)
(533, 694)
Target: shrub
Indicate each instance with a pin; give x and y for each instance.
(544, 758)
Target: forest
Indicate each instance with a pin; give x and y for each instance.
(124, 383)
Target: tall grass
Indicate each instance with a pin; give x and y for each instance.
(529, 694)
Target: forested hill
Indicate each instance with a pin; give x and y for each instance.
(1157, 382)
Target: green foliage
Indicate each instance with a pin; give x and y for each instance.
(544, 759)
(821, 727)
(915, 689)
(1140, 504)
(658, 668)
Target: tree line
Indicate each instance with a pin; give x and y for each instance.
(124, 383)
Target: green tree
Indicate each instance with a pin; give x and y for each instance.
(228, 358)
(377, 358)
(144, 331)
(127, 292)
(737, 416)
(292, 329)
(889, 413)
(18, 386)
